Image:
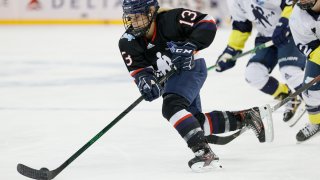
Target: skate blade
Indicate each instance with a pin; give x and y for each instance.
(200, 167)
(266, 116)
(297, 116)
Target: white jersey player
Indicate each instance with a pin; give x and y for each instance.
(270, 18)
(305, 28)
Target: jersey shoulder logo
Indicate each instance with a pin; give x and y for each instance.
(259, 15)
(127, 36)
(150, 46)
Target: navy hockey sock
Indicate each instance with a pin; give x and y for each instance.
(276, 89)
(188, 127)
(217, 122)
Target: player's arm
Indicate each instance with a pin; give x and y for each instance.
(140, 69)
(281, 33)
(287, 7)
(200, 29)
(132, 54)
(241, 27)
(241, 30)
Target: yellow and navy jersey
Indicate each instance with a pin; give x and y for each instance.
(177, 25)
(305, 28)
(264, 14)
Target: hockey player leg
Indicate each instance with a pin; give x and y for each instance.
(218, 122)
(258, 119)
(312, 100)
(174, 109)
(257, 75)
(313, 128)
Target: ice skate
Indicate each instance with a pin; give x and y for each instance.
(310, 130)
(204, 159)
(259, 119)
(294, 110)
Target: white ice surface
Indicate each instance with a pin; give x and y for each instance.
(60, 85)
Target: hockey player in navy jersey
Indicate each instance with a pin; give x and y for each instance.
(305, 27)
(270, 18)
(156, 42)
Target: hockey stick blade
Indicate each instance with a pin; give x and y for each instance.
(297, 116)
(42, 174)
(295, 121)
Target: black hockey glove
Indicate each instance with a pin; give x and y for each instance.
(224, 61)
(281, 32)
(147, 84)
(182, 55)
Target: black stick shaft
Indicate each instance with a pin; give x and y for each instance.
(104, 130)
(98, 136)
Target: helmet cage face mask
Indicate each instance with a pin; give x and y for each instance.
(307, 5)
(137, 16)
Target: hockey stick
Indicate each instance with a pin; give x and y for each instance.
(222, 140)
(46, 174)
(261, 46)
